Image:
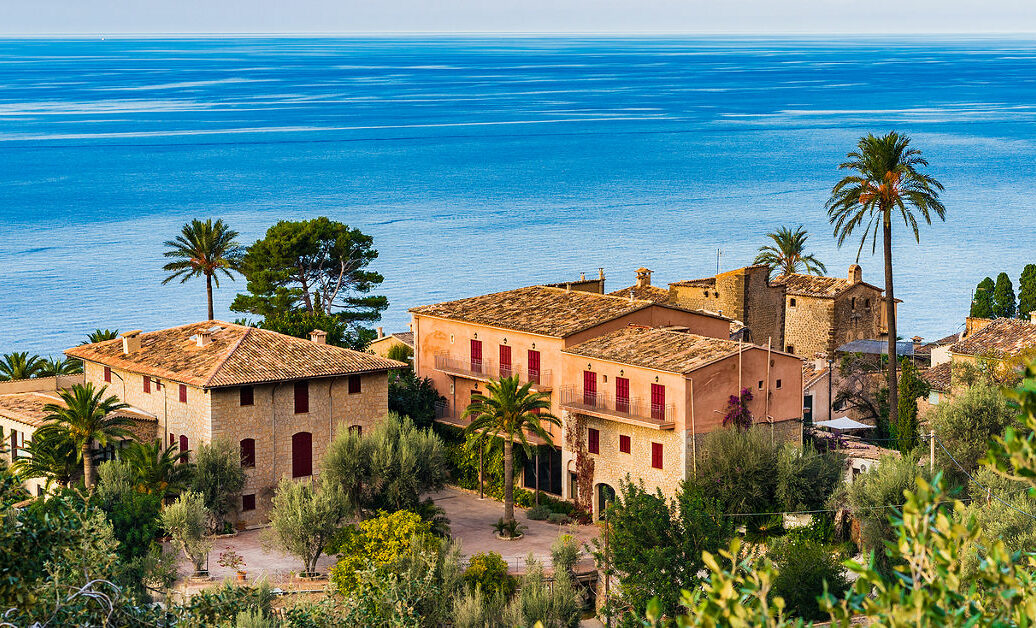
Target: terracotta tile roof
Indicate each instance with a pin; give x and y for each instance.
(643, 293)
(28, 408)
(536, 309)
(814, 286)
(236, 355)
(406, 337)
(938, 376)
(926, 348)
(810, 372)
(661, 349)
(706, 282)
(1004, 337)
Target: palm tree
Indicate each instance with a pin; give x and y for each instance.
(51, 454)
(508, 410)
(885, 183)
(60, 366)
(788, 253)
(20, 366)
(203, 248)
(87, 416)
(158, 469)
(100, 335)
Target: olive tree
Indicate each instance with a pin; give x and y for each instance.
(219, 478)
(306, 515)
(185, 520)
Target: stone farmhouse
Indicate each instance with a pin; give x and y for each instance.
(799, 314)
(636, 383)
(281, 399)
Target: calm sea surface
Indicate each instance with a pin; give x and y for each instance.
(486, 164)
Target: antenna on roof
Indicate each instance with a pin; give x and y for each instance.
(719, 254)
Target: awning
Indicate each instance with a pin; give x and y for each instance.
(843, 424)
(877, 347)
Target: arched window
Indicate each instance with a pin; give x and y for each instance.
(184, 447)
(301, 455)
(248, 452)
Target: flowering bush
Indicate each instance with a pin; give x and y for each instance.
(738, 414)
(231, 560)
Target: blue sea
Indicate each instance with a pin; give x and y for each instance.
(481, 164)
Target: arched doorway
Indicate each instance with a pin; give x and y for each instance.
(301, 454)
(605, 496)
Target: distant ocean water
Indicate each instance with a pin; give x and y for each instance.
(481, 164)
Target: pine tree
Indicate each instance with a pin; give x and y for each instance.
(1027, 291)
(1003, 297)
(982, 301)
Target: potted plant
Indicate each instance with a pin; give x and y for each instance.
(232, 560)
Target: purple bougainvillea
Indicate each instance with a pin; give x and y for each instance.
(738, 415)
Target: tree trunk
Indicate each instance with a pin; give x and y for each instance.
(508, 480)
(88, 465)
(208, 290)
(890, 314)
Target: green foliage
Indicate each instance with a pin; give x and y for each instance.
(52, 455)
(388, 468)
(556, 604)
(300, 323)
(306, 515)
(376, 543)
(655, 547)
(787, 255)
(185, 521)
(475, 609)
(100, 335)
(412, 396)
(1004, 305)
(317, 266)
(911, 388)
(565, 553)
(558, 518)
(538, 513)
(489, 573)
(87, 416)
(806, 478)
(215, 606)
(158, 470)
(805, 569)
(965, 424)
(219, 478)
(135, 521)
(203, 249)
(1027, 291)
(401, 352)
(20, 365)
(738, 470)
(982, 300)
(999, 507)
(61, 366)
(510, 528)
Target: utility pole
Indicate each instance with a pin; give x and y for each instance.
(931, 452)
(719, 254)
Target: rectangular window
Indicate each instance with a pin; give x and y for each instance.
(778, 383)
(760, 384)
(108, 374)
(791, 349)
(14, 445)
(356, 429)
(658, 402)
(354, 384)
(183, 393)
(301, 397)
(624, 443)
(247, 394)
(147, 384)
(622, 394)
(248, 502)
(248, 452)
(534, 366)
(590, 388)
(791, 302)
(505, 361)
(593, 439)
(172, 439)
(476, 356)
(656, 455)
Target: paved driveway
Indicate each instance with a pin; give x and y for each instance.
(471, 523)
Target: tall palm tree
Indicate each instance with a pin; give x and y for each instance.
(20, 365)
(203, 249)
(788, 255)
(158, 469)
(100, 335)
(508, 410)
(60, 366)
(87, 416)
(50, 454)
(885, 183)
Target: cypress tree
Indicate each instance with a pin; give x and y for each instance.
(982, 301)
(1003, 297)
(1027, 291)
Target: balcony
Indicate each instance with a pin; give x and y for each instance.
(485, 370)
(632, 411)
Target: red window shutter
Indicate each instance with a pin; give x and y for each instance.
(108, 374)
(172, 439)
(184, 447)
(301, 455)
(147, 384)
(658, 402)
(14, 445)
(476, 356)
(248, 452)
(656, 455)
(534, 366)
(594, 441)
(354, 384)
(301, 397)
(183, 393)
(248, 502)
(505, 361)
(624, 444)
(247, 395)
(622, 394)
(590, 388)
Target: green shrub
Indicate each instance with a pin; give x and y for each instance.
(738, 470)
(219, 478)
(475, 609)
(558, 518)
(224, 603)
(802, 569)
(565, 552)
(376, 543)
(806, 478)
(489, 573)
(538, 513)
(539, 601)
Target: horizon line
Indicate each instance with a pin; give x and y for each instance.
(474, 33)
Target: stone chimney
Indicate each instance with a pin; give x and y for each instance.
(643, 277)
(855, 273)
(381, 333)
(318, 336)
(1032, 317)
(131, 341)
(582, 276)
(203, 337)
(917, 342)
(600, 274)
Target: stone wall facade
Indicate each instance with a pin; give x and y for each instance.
(822, 324)
(744, 294)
